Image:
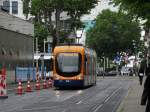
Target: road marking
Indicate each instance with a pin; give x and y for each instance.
(98, 108)
(79, 102)
(107, 99)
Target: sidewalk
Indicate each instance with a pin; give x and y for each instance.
(131, 102)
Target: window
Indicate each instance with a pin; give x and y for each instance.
(6, 6)
(68, 64)
(14, 7)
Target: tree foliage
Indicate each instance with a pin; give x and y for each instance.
(138, 8)
(114, 32)
(42, 10)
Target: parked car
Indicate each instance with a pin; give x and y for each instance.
(101, 73)
(126, 71)
(112, 73)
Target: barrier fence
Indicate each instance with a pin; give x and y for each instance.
(25, 73)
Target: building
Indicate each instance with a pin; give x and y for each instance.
(16, 44)
(13, 7)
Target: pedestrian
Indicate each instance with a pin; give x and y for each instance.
(145, 99)
(141, 72)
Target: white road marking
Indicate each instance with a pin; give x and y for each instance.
(98, 108)
(79, 102)
(107, 99)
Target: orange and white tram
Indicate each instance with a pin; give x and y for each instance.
(74, 65)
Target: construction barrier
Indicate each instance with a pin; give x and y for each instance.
(3, 87)
(25, 73)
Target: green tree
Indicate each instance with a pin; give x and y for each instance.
(43, 9)
(26, 8)
(136, 8)
(114, 32)
(40, 32)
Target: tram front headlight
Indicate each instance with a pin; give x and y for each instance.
(80, 77)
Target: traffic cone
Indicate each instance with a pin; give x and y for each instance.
(49, 83)
(44, 84)
(37, 85)
(19, 89)
(28, 88)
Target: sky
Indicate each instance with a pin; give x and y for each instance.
(103, 4)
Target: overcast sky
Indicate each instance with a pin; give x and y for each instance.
(94, 12)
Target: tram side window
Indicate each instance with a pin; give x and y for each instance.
(85, 64)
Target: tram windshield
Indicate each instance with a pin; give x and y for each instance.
(68, 64)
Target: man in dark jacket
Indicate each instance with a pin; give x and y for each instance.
(141, 75)
(141, 70)
(145, 100)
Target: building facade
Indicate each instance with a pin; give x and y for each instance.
(13, 7)
(16, 44)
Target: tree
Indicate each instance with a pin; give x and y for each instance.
(77, 8)
(42, 33)
(26, 8)
(137, 8)
(114, 32)
(43, 9)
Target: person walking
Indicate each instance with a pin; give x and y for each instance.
(145, 99)
(141, 71)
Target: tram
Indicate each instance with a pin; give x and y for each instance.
(74, 65)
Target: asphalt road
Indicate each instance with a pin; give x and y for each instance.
(104, 97)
